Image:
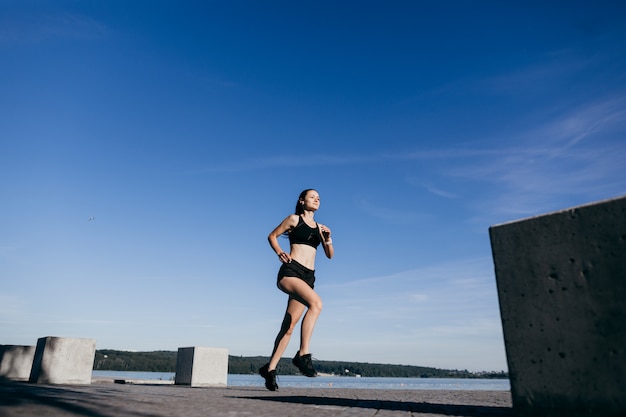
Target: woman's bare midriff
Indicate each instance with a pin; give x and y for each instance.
(304, 255)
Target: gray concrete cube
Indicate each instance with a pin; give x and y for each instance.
(201, 366)
(561, 281)
(62, 360)
(16, 362)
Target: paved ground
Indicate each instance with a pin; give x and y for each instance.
(107, 399)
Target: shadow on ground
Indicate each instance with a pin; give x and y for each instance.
(32, 400)
(22, 396)
(415, 407)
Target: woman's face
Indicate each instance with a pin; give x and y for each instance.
(311, 201)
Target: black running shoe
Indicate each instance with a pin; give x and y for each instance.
(269, 376)
(304, 364)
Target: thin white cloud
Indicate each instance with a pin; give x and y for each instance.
(560, 67)
(574, 124)
(98, 322)
(442, 193)
(457, 271)
(11, 306)
(418, 298)
(578, 155)
(38, 28)
(546, 72)
(7, 251)
(391, 215)
(467, 328)
(435, 190)
(454, 290)
(285, 161)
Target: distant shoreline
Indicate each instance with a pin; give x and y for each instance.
(322, 381)
(165, 361)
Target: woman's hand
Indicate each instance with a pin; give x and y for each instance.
(325, 233)
(329, 250)
(284, 257)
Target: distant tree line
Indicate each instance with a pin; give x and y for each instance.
(118, 360)
(165, 361)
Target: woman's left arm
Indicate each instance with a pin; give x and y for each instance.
(327, 241)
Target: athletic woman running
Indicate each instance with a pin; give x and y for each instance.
(296, 278)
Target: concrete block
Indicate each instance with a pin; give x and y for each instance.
(201, 366)
(561, 281)
(62, 360)
(16, 362)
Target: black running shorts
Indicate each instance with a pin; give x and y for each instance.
(294, 269)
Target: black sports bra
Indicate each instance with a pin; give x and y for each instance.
(303, 234)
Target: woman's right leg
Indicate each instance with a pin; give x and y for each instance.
(294, 311)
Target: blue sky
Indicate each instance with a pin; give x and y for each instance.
(188, 129)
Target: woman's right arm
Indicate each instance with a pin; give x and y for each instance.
(285, 226)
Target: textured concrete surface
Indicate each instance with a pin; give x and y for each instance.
(117, 400)
(201, 366)
(63, 360)
(16, 362)
(561, 281)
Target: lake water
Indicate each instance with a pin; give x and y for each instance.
(297, 381)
